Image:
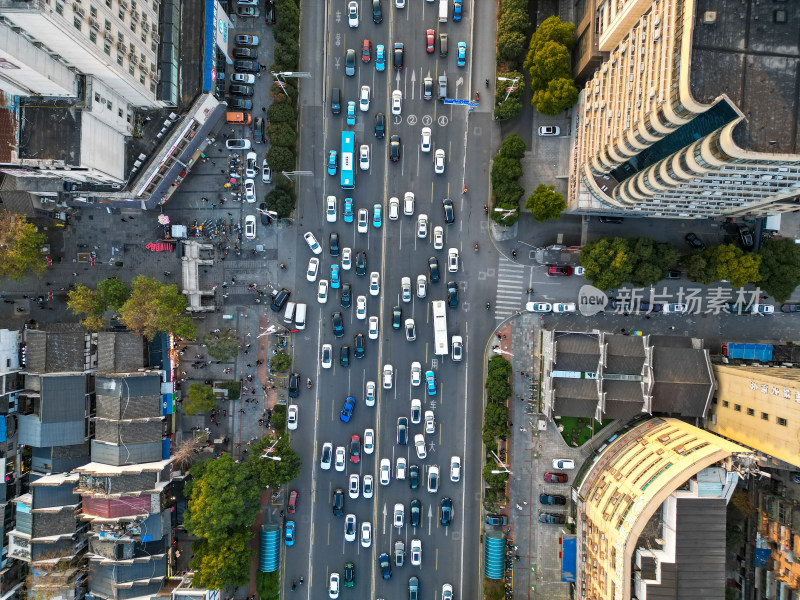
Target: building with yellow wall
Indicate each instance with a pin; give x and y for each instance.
(759, 407)
(661, 467)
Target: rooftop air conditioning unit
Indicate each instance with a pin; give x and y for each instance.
(709, 17)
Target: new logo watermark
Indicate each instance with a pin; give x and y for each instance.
(591, 300)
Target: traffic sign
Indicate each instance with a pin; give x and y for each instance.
(454, 101)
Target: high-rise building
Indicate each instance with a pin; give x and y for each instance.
(693, 112)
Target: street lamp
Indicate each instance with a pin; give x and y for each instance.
(495, 472)
(270, 449)
(281, 83)
(510, 88)
(500, 464)
(499, 350)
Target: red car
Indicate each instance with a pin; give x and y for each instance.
(366, 51)
(429, 36)
(355, 449)
(556, 271)
(555, 477)
(292, 502)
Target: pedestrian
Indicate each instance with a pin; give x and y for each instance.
(74, 274)
(519, 507)
(249, 365)
(525, 502)
(123, 220)
(222, 171)
(504, 336)
(213, 205)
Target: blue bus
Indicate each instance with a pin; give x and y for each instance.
(348, 160)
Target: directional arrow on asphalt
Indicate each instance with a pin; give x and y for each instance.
(413, 84)
(384, 519)
(430, 517)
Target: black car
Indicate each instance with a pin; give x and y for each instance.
(614, 220)
(552, 519)
(337, 324)
(240, 90)
(377, 13)
(673, 274)
(397, 317)
(338, 502)
(294, 385)
(349, 574)
(258, 131)
(380, 125)
(358, 344)
(386, 566)
(552, 499)
(446, 511)
(413, 588)
(394, 148)
(694, 241)
(413, 476)
(361, 263)
(279, 298)
(262, 208)
(270, 19)
(433, 269)
(344, 356)
(416, 512)
(452, 294)
(790, 307)
(333, 242)
(496, 520)
(447, 207)
(397, 58)
(746, 236)
(240, 103)
(250, 53)
(402, 431)
(350, 62)
(346, 295)
(246, 66)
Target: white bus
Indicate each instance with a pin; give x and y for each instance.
(440, 345)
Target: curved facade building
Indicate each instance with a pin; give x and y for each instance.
(694, 112)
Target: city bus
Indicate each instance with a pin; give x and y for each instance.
(439, 328)
(348, 160)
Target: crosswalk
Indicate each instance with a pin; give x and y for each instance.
(510, 288)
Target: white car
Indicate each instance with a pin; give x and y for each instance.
(388, 375)
(266, 172)
(291, 417)
(422, 226)
(447, 592)
(385, 471)
(354, 486)
(363, 157)
(433, 479)
(408, 204)
(438, 237)
(374, 283)
(566, 307)
(458, 348)
(411, 330)
(419, 446)
(673, 308)
(405, 289)
(422, 286)
(416, 411)
(327, 356)
(363, 99)
(366, 534)
(452, 260)
(416, 374)
(368, 488)
(361, 307)
(352, 13)
(312, 242)
(330, 209)
(250, 227)
(416, 552)
(250, 190)
(370, 399)
(339, 458)
(399, 515)
(327, 456)
(579, 271)
(547, 130)
(347, 258)
(397, 102)
(430, 423)
(322, 291)
(539, 307)
(333, 586)
(369, 441)
(399, 3)
(455, 469)
(363, 220)
(563, 463)
(313, 269)
(251, 166)
(350, 526)
(438, 161)
(425, 144)
(394, 209)
(373, 328)
(400, 468)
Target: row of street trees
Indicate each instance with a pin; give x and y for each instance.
(495, 424)
(506, 170)
(548, 63)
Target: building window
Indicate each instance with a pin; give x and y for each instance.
(93, 36)
(144, 36)
(131, 69)
(141, 78)
(96, 97)
(77, 22)
(131, 48)
(120, 37)
(737, 407)
(121, 15)
(750, 412)
(107, 48)
(153, 47)
(93, 11)
(153, 87)
(108, 3)
(781, 421)
(108, 25)
(109, 106)
(143, 58)
(133, 27)
(119, 113)
(119, 59)
(725, 404)
(133, 5)
(765, 416)
(60, 8)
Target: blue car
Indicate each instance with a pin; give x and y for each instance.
(347, 409)
(376, 215)
(333, 162)
(380, 57)
(335, 277)
(456, 10)
(461, 55)
(430, 382)
(351, 113)
(288, 536)
(348, 210)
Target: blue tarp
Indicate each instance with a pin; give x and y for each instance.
(569, 558)
(165, 448)
(2, 428)
(209, 52)
(494, 554)
(269, 548)
(760, 352)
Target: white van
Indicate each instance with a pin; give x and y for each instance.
(288, 316)
(300, 316)
(442, 11)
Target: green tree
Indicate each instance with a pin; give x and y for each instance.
(551, 62)
(499, 366)
(281, 113)
(279, 418)
(509, 108)
(734, 265)
(93, 322)
(553, 29)
(608, 262)
(508, 193)
(508, 213)
(780, 268)
(281, 362)
(281, 134)
(272, 473)
(153, 307)
(113, 293)
(494, 480)
(505, 169)
(280, 201)
(287, 55)
(652, 260)
(697, 267)
(223, 499)
(512, 147)
(199, 399)
(223, 344)
(498, 389)
(21, 246)
(545, 203)
(224, 563)
(559, 94)
(281, 158)
(495, 419)
(268, 585)
(82, 300)
(510, 45)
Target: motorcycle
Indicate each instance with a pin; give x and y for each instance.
(476, 246)
(487, 83)
(486, 209)
(488, 305)
(308, 383)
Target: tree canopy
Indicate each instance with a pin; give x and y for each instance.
(780, 268)
(734, 264)
(272, 473)
(223, 344)
(559, 94)
(506, 170)
(224, 563)
(113, 293)
(545, 203)
(199, 399)
(610, 262)
(21, 246)
(280, 201)
(153, 307)
(548, 63)
(281, 362)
